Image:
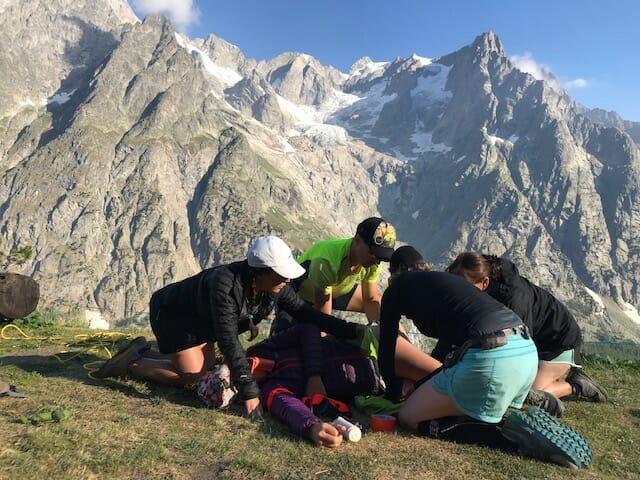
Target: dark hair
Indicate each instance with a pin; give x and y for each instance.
(406, 259)
(476, 266)
(253, 272)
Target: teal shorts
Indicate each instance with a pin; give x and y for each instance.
(484, 383)
(568, 357)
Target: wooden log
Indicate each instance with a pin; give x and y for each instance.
(19, 295)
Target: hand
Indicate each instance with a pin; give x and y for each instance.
(253, 408)
(326, 435)
(315, 385)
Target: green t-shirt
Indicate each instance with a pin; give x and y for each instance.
(329, 269)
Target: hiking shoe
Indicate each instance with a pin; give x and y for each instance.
(584, 387)
(539, 435)
(545, 400)
(118, 365)
(7, 390)
(214, 388)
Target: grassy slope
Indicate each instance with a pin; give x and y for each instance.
(134, 430)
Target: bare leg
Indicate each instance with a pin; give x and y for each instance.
(179, 369)
(549, 379)
(426, 404)
(356, 303)
(157, 355)
(411, 362)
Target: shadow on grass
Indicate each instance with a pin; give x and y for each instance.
(73, 369)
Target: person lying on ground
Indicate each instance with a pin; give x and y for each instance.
(553, 328)
(215, 306)
(343, 273)
(308, 370)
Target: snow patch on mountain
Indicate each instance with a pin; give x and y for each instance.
(597, 298)
(630, 311)
(422, 61)
(326, 135)
(496, 140)
(364, 113)
(424, 143)
(310, 121)
(225, 75)
(432, 87)
(62, 97)
(367, 68)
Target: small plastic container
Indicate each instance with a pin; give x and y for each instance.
(383, 423)
(352, 432)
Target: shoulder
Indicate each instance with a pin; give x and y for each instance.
(224, 277)
(332, 249)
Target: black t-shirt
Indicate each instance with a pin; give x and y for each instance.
(553, 328)
(442, 306)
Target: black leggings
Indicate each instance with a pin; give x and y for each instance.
(468, 431)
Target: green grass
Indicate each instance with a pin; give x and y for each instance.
(130, 429)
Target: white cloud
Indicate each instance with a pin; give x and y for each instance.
(182, 13)
(540, 71)
(577, 83)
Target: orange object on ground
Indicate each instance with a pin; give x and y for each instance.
(382, 423)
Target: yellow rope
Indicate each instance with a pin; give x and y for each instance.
(22, 334)
(96, 342)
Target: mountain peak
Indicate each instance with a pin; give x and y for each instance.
(488, 42)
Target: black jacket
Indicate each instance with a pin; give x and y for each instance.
(215, 299)
(553, 327)
(441, 305)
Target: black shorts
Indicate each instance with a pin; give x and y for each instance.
(341, 302)
(176, 331)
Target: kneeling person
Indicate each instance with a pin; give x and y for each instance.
(343, 273)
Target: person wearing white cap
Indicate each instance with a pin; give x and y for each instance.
(215, 306)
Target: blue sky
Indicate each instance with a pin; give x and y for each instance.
(592, 46)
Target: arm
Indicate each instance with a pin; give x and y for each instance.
(371, 301)
(225, 319)
(290, 302)
(290, 410)
(389, 324)
(322, 300)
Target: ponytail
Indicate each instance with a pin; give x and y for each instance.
(475, 266)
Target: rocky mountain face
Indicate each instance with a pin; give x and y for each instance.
(132, 156)
(612, 119)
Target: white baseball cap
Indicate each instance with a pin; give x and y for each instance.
(273, 253)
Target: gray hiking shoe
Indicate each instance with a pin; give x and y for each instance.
(584, 387)
(118, 365)
(539, 435)
(547, 401)
(7, 390)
